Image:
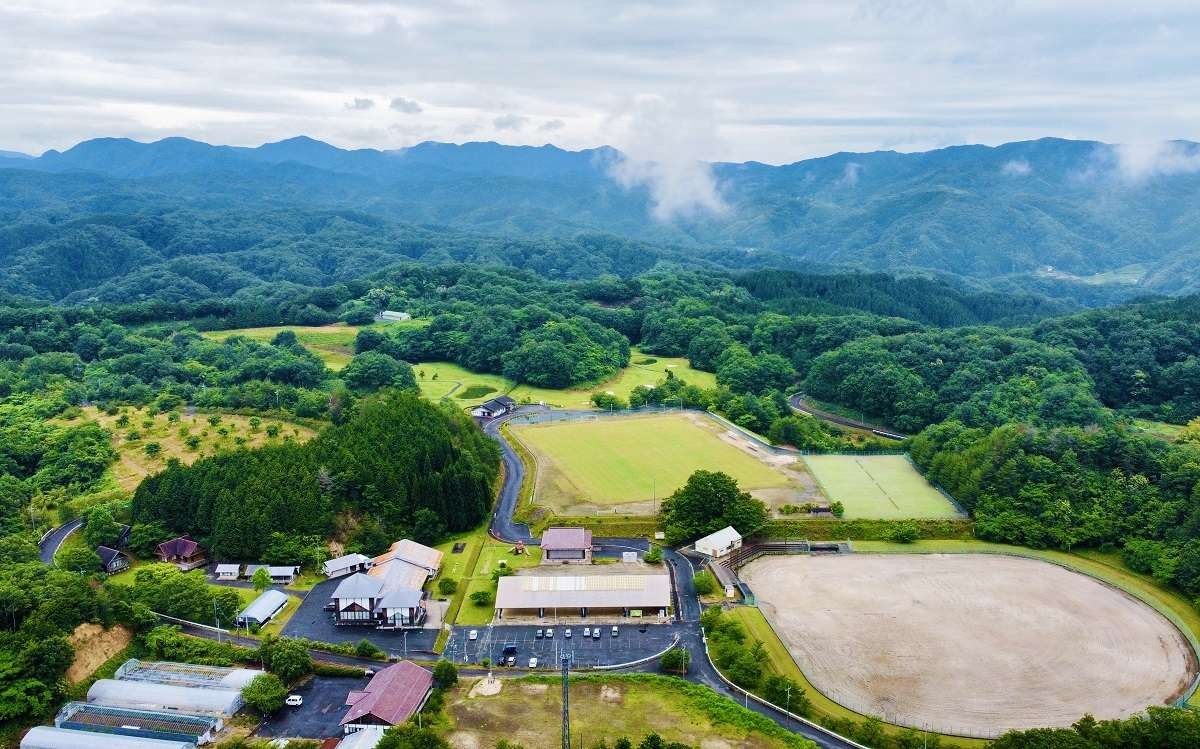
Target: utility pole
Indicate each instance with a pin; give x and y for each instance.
(566, 702)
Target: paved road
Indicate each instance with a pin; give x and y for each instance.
(49, 545)
(798, 403)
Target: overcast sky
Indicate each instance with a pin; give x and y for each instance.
(773, 82)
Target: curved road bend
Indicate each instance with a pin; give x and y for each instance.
(49, 545)
(799, 404)
(702, 671)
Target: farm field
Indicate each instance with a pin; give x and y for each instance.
(624, 464)
(176, 439)
(528, 710)
(334, 344)
(970, 644)
(878, 487)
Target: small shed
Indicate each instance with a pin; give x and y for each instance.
(720, 543)
(262, 609)
(347, 565)
(113, 560)
(566, 546)
(228, 571)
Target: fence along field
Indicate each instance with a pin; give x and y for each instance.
(885, 487)
(622, 464)
(969, 644)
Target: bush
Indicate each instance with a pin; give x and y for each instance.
(482, 597)
(705, 583)
(654, 556)
(837, 508)
(445, 674)
(366, 649)
(675, 661)
(266, 693)
(905, 532)
(321, 668)
(447, 586)
(288, 658)
(608, 402)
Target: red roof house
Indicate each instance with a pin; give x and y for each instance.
(394, 695)
(182, 552)
(566, 546)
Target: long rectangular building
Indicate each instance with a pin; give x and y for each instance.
(144, 695)
(44, 737)
(583, 595)
(186, 674)
(148, 724)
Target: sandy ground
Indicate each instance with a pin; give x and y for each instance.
(93, 646)
(969, 644)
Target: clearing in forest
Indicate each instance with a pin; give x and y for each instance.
(626, 464)
(334, 344)
(879, 486)
(969, 644)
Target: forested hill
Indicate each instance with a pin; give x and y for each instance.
(1053, 215)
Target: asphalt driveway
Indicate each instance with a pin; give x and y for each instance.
(319, 716)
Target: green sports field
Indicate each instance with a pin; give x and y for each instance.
(622, 464)
(878, 486)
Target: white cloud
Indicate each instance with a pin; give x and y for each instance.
(510, 122)
(1136, 162)
(550, 126)
(664, 144)
(850, 175)
(1017, 168)
(360, 105)
(407, 106)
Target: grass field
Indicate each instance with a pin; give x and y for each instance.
(878, 486)
(142, 428)
(609, 464)
(439, 380)
(1159, 429)
(334, 344)
(528, 710)
(490, 556)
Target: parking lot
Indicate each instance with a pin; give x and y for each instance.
(312, 621)
(632, 643)
(318, 718)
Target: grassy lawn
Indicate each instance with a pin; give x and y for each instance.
(442, 379)
(878, 487)
(1107, 568)
(611, 462)
(528, 711)
(334, 344)
(143, 428)
(1159, 428)
(780, 662)
(491, 554)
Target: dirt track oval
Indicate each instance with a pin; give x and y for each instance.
(970, 644)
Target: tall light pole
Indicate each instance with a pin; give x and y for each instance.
(566, 702)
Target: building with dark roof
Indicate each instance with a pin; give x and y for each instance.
(114, 561)
(497, 406)
(393, 695)
(566, 546)
(182, 552)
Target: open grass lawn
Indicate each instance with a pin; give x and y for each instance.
(439, 380)
(143, 428)
(878, 486)
(528, 711)
(334, 344)
(617, 461)
(491, 554)
(1159, 428)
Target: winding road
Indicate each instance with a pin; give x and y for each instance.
(702, 671)
(49, 544)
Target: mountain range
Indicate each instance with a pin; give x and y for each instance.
(1079, 218)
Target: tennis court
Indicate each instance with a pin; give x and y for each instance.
(879, 487)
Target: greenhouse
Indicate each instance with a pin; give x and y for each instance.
(186, 674)
(143, 695)
(262, 609)
(150, 724)
(44, 737)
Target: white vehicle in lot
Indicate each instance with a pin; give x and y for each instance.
(533, 662)
(587, 631)
(473, 635)
(567, 633)
(549, 633)
(615, 631)
(294, 700)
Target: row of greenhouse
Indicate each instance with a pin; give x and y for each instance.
(148, 705)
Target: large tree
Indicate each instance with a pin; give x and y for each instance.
(709, 501)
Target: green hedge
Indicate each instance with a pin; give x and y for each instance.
(830, 529)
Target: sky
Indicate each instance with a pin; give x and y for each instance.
(717, 81)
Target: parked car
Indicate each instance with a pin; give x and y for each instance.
(533, 662)
(587, 631)
(511, 660)
(567, 633)
(473, 635)
(595, 633)
(538, 635)
(368, 672)
(615, 631)
(294, 700)
(549, 633)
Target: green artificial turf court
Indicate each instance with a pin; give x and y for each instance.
(878, 486)
(613, 461)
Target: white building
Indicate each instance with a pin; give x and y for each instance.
(346, 565)
(720, 543)
(45, 737)
(144, 695)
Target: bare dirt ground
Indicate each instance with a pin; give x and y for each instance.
(970, 644)
(93, 646)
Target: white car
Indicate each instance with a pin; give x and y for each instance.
(567, 633)
(587, 631)
(549, 633)
(533, 662)
(294, 700)
(473, 635)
